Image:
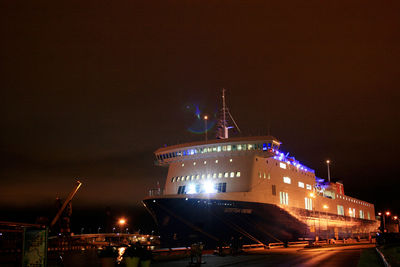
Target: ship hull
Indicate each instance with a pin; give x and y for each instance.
(214, 222)
(183, 221)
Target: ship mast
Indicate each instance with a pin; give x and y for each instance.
(223, 132)
(225, 128)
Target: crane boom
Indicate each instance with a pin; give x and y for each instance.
(69, 198)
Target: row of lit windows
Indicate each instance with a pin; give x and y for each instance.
(352, 212)
(354, 200)
(202, 150)
(205, 176)
(204, 162)
(202, 188)
(287, 180)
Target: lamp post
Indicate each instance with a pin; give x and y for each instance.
(205, 126)
(329, 173)
(387, 213)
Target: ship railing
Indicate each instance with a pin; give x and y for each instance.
(155, 192)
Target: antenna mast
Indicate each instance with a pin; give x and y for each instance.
(223, 132)
(225, 128)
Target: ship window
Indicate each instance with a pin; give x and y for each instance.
(287, 180)
(173, 179)
(284, 198)
(218, 148)
(215, 175)
(282, 165)
(301, 184)
(228, 147)
(250, 146)
(192, 177)
(203, 176)
(265, 175)
(209, 149)
(361, 214)
(220, 175)
(259, 174)
(308, 187)
(197, 176)
(221, 187)
(181, 190)
(233, 147)
(265, 147)
(368, 216)
(187, 178)
(232, 174)
(178, 178)
(237, 174)
(308, 203)
(208, 176)
(274, 190)
(244, 147)
(239, 147)
(340, 210)
(216, 161)
(226, 175)
(214, 149)
(352, 212)
(223, 148)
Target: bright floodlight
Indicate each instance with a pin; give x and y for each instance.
(209, 187)
(325, 206)
(388, 213)
(191, 189)
(206, 117)
(122, 221)
(328, 161)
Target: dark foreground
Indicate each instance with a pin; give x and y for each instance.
(348, 255)
(331, 256)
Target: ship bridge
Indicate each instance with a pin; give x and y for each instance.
(215, 148)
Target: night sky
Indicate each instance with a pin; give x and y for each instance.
(91, 89)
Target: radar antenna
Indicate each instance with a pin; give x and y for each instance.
(223, 128)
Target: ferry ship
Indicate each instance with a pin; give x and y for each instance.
(246, 188)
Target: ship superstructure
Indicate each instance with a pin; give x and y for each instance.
(246, 187)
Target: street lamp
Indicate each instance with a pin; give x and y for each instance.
(329, 174)
(121, 223)
(205, 126)
(387, 213)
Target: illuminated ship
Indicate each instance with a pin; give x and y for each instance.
(228, 188)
